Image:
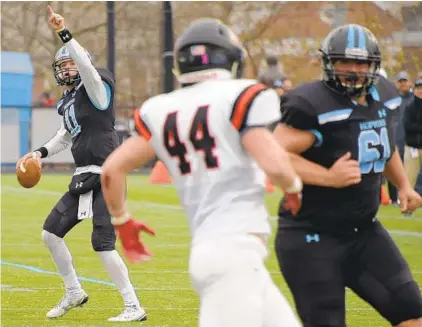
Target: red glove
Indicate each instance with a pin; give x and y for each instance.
(131, 241)
(293, 196)
(293, 202)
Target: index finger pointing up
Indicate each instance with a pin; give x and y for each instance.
(50, 11)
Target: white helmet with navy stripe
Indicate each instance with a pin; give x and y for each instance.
(65, 76)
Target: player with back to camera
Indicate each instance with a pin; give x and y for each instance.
(343, 128)
(88, 125)
(210, 135)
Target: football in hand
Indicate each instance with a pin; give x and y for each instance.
(29, 173)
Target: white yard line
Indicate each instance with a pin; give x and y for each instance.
(142, 204)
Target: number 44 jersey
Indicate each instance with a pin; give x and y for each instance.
(196, 131)
(341, 126)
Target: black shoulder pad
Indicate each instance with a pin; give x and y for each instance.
(297, 111)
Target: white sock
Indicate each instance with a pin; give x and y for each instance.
(119, 274)
(63, 260)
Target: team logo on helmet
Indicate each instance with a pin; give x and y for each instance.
(356, 53)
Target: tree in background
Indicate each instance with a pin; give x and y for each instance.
(290, 30)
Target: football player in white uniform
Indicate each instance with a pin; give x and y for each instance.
(212, 136)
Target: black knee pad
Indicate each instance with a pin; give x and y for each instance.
(406, 303)
(103, 239)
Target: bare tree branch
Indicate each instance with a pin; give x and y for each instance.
(264, 24)
(89, 29)
(34, 31)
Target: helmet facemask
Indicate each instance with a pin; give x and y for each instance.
(349, 82)
(65, 76)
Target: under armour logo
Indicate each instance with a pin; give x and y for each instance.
(382, 113)
(312, 238)
(65, 37)
(83, 213)
(78, 185)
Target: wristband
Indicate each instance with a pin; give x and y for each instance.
(65, 35)
(296, 187)
(116, 221)
(43, 151)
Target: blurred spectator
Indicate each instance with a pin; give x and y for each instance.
(287, 85)
(273, 77)
(47, 100)
(403, 85)
(122, 128)
(413, 134)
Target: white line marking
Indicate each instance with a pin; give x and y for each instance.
(149, 308)
(113, 289)
(10, 288)
(156, 246)
(164, 272)
(140, 204)
(86, 307)
(119, 325)
(164, 206)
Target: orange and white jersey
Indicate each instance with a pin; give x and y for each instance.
(196, 131)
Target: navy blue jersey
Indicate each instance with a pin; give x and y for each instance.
(92, 129)
(342, 126)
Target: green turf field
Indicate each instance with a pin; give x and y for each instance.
(30, 286)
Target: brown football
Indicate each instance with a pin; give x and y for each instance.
(29, 173)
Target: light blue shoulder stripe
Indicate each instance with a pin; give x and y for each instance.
(335, 115)
(108, 94)
(393, 103)
(374, 93)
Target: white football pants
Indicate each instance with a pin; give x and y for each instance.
(234, 286)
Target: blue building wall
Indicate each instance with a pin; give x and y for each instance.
(16, 91)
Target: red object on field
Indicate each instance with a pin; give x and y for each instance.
(385, 198)
(159, 174)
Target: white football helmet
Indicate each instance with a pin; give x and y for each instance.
(65, 76)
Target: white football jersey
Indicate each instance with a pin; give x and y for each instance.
(196, 132)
